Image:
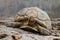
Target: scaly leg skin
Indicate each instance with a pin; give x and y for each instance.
(43, 30)
(29, 28)
(38, 22)
(41, 27)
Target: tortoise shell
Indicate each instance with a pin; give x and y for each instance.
(37, 13)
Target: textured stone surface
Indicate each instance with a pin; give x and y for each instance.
(23, 35)
(32, 37)
(10, 31)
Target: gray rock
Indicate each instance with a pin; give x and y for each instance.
(32, 37)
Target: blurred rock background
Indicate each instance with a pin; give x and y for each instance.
(11, 7)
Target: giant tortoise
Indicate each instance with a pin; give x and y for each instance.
(34, 18)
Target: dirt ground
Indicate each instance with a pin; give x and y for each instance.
(26, 35)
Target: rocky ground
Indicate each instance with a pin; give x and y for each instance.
(6, 33)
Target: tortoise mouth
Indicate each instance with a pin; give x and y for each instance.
(21, 18)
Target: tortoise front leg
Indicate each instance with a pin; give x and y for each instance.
(43, 30)
(38, 22)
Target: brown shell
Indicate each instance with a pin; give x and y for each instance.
(37, 13)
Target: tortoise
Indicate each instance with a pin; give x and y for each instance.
(34, 18)
(31, 18)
